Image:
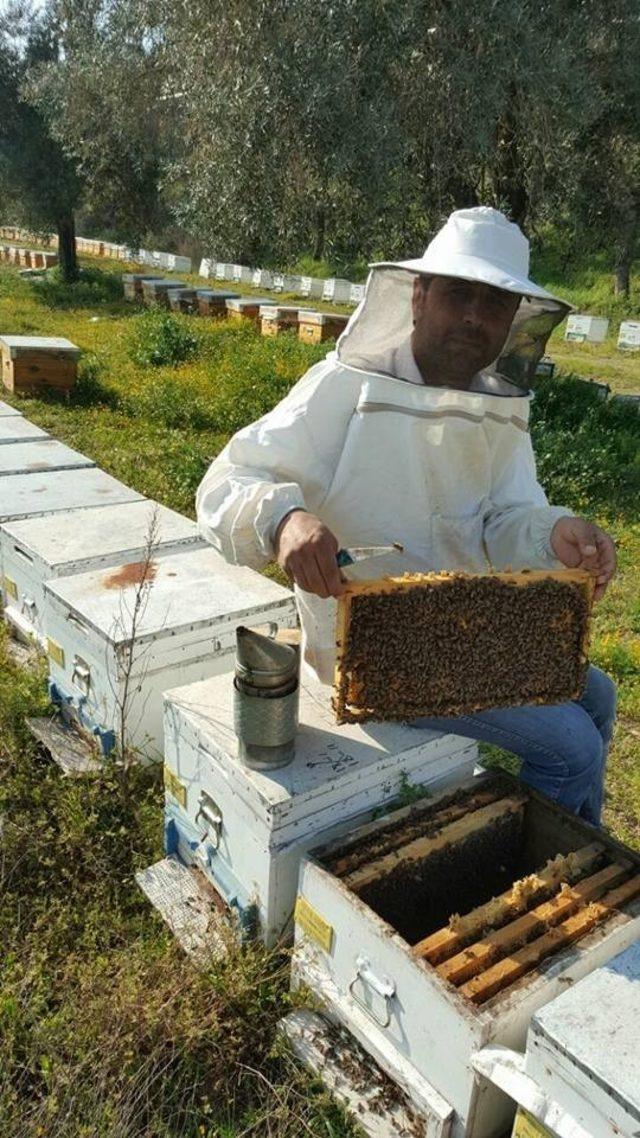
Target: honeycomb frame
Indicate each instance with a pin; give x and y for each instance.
(356, 680)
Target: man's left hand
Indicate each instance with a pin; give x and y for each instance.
(580, 544)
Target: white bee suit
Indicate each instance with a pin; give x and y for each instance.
(380, 457)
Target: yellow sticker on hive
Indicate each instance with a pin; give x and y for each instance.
(55, 651)
(10, 588)
(313, 924)
(526, 1126)
(174, 786)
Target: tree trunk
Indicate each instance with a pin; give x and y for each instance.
(509, 175)
(321, 223)
(67, 248)
(624, 252)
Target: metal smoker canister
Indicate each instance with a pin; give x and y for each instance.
(265, 700)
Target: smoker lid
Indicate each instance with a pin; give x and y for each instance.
(594, 1030)
(262, 661)
(187, 591)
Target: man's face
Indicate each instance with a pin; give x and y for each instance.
(459, 326)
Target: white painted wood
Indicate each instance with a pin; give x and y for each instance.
(629, 335)
(31, 495)
(583, 1049)
(37, 550)
(590, 329)
(431, 1025)
(185, 902)
(356, 294)
(7, 410)
(39, 456)
(338, 778)
(380, 1107)
(15, 346)
(262, 278)
(311, 286)
(337, 290)
(185, 632)
(15, 429)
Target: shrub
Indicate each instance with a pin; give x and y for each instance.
(93, 287)
(587, 448)
(160, 338)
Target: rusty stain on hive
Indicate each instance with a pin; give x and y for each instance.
(447, 644)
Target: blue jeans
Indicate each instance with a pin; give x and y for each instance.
(563, 746)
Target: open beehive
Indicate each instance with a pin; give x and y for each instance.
(486, 888)
(439, 930)
(443, 644)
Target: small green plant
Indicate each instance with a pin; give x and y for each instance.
(162, 339)
(408, 793)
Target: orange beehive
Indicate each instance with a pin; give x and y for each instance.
(33, 363)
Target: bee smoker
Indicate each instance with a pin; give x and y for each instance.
(265, 700)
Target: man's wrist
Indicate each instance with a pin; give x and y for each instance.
(281, 521)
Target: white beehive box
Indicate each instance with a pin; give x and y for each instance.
(629, 335)
(31, 495)
(207, 268)
(586, 329)
(286, 282)
(338, 777)
(262, 278)
(186, 632)
(398, 1006)
(40, 455)
(337, 290)
(15, 429)
(7, 409)
(356, 294)
(311, 286)
(583, 1050)
(36, 550)
(178, 264)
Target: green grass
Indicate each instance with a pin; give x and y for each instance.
(107, 1030)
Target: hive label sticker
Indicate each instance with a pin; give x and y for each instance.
(10, 587)
(313, 924)
(175, 787)
(526, 1126)
(55, 651)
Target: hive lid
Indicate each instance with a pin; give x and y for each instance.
(60, 539)
(191, 590)
(130, 277)
(15, 345)
(217, 293)
(31, 495)
(15, 429)
(165, 283)
(7, 409)
(332, 764)
(39, 455)
(246, 301)
(594, 1031)
(275, 311)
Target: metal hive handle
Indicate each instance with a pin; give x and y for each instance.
(383, 987)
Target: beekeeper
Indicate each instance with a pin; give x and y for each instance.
(416, 431)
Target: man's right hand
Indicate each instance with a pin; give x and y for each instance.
(307, 550)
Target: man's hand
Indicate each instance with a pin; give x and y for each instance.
(580, 544)
(306, 550)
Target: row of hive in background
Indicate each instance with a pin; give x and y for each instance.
(334, 289)
(72, 557)
(272, 319)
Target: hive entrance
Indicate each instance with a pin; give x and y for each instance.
(490, 883)
(448, 643)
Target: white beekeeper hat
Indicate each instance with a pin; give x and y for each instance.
(479, 245)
